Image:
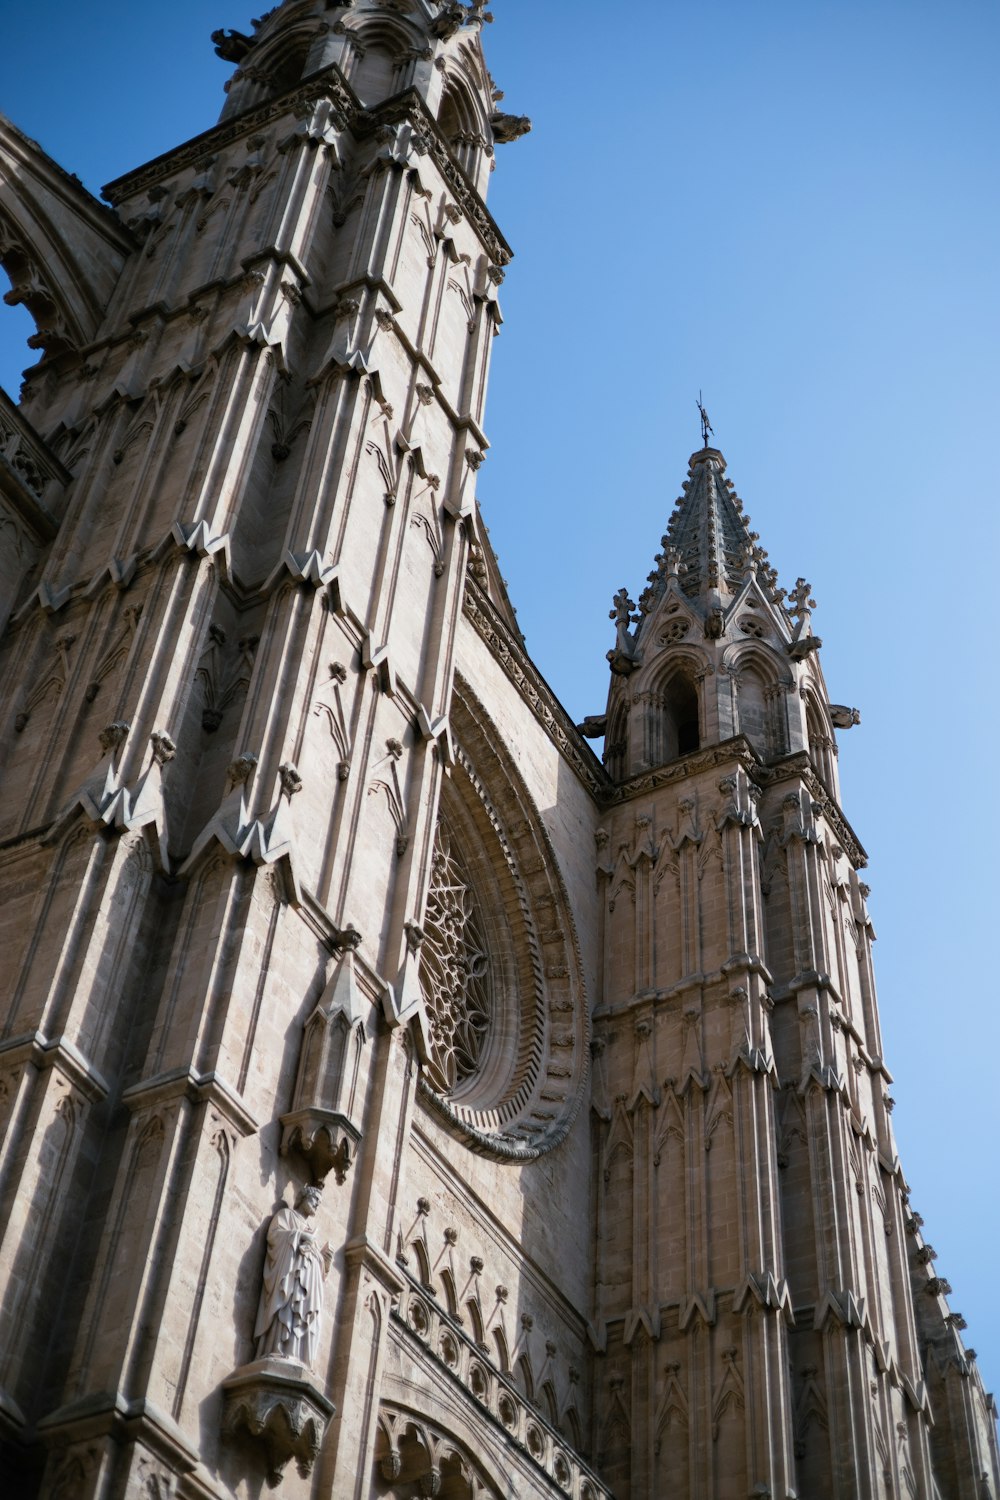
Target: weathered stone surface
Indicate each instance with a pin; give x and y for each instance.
(306, 877)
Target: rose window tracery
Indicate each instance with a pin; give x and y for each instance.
(455, 971)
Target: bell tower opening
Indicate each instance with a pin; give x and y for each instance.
(376, 72)
(680, 731)
(461, 128)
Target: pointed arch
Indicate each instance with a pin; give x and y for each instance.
(549, 1404)
(761, 679)
(503, 1353)
(477, 1331)
(462, 124)
(820, 737)
(423, 1263)
(450, 1292)
(616, 740)
(573, 1429)
(279, 62)
(673, 707)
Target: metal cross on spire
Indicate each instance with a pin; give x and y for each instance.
(707, 430)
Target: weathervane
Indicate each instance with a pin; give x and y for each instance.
(707, 430)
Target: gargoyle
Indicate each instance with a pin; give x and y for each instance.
(508, 127)
(231, 46)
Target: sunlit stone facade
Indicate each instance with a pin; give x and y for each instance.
(397, 1099)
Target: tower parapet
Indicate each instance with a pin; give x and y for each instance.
(431, 48)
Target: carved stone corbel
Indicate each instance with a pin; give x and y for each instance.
(278, 1402)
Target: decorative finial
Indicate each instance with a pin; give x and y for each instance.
(707, 430)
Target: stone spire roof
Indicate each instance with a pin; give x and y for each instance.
(708, 544)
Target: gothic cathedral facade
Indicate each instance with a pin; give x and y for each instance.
(396, 1099)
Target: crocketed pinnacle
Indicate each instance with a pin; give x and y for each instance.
(708, 543)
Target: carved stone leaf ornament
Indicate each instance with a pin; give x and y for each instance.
(455, 971)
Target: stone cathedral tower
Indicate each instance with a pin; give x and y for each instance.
(394, 1099)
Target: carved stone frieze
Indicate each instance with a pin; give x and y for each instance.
(434, 1336)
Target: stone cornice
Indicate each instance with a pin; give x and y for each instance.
(516, 663)
(198, 1088)
(59, 1053)
(799, 766)
(409, 105)
(329, 83)
(709, 759)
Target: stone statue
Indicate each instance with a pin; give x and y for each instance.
(291, 1298)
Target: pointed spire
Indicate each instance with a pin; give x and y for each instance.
(708, 545)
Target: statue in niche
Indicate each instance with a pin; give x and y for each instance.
(291, 1298)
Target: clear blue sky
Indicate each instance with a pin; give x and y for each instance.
(793, 207)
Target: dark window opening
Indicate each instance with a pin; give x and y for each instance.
(682, 732)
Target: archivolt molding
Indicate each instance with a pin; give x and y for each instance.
(756, 653)
(411, 1450)
(391, 31)
(528, 1093)
(538, 1449)
(687, 658)
(61, 248)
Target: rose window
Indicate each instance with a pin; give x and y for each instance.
(455, 972)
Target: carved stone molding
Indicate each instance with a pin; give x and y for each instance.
(325, 1138)
(278, 1403)
(531, 1059)
(546, 707)
(540, 1448)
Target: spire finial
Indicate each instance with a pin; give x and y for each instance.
(707, 430)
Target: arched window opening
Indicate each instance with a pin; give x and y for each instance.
(822, 746)
(373, 76)
(288, 67)
(754, 711)
(524, 1377)
(679, 718)
(461, 129)
(616, 743)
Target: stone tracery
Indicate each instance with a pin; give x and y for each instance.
(455, 970)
